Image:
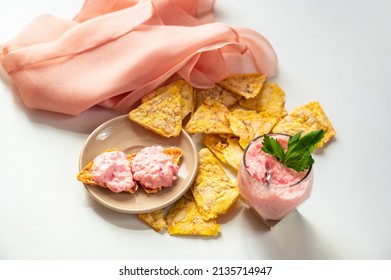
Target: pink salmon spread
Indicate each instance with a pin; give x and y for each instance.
(113, 170)
(153, 168)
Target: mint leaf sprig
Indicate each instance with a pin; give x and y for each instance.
(298, 155)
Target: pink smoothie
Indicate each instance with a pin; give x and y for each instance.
(287, 189)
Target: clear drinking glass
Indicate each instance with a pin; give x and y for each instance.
(271, 197)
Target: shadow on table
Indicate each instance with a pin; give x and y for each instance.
(292, 239)
(123, 220)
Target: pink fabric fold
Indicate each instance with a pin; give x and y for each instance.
(113, 52)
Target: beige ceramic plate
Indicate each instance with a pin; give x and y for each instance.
(129, 137)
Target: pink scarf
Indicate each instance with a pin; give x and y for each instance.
(115, 51)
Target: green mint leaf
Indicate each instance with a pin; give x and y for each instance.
(298, 155)
(273, 147)
(299, 161)
(310, 140)
(293, 141)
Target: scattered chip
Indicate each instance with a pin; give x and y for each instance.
(161, 114)
(226, 149)
(184, 218)
(186, 92)
(306, 118)
(213, 191)
(248, 124)
(85, 175)
(215, 94)
(215, 197)
(209, 119)
(209, 167)
(154, 219)
(270, 100)
(247, 85)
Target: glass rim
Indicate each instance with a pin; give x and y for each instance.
(255, 140)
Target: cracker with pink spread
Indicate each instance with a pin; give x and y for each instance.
(154, 169)
(111, 170)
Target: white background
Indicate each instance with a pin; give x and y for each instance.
(335, 52)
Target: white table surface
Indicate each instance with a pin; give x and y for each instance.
(336, 52)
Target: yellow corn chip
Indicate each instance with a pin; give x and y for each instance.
(270, 100)
(215, 197)
(215, 94)
(186, 91)
(85, 175)
(249, 124)
(213, 191)
(184, 219)
(306, 118)
(175, 153)
(209, 167)
(161, 114)
(247, 85)
(209, 119)
(154, 219)
(226, 149)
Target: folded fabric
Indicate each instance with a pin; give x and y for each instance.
(113, 52)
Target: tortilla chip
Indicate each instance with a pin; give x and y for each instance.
(209, 119)
(270, 100)
(247, 85)
(215, 94)
(306, 118)
(154, 219)
(186, 91)
(174, 152)
(249, 124)
(85, 175)
(213, 190)
(161, 114)
(226, 149)
(209, 167)
(184, 219)
(215, 197)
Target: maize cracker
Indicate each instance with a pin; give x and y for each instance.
(183, 218)
(186, 91)
(154, 219)
(85, 175)
(216, 94)
(161, 114)
(249, 124)
(270, 100)
(209, 119)
(246, 85)
(213, 191)
(306, 118)
(226, 149)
